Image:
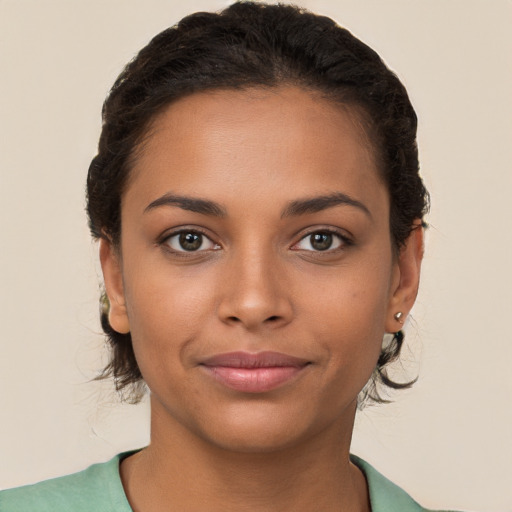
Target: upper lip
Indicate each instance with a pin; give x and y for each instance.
(267, 359)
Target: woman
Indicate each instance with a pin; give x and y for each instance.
(260, 215)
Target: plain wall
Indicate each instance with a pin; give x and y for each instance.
(448, 440)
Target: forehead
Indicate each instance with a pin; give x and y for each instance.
(267, 141)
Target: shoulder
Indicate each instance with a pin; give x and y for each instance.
(385, 496)
(97, 488)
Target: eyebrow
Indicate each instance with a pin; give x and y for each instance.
(319, 203)
(295, 208)
(192, 204)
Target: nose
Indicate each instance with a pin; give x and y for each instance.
(255, 294)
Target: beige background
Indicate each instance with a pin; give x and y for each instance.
(448, 441)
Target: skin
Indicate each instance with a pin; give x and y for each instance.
(257, 283)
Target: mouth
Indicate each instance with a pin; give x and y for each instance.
(254, 373)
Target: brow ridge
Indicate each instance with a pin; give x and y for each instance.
(295, 208)
(193, 204)
(320, 203)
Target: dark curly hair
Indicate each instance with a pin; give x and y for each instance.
(246, 45)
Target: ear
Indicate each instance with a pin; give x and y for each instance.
(113, 278)
(406, 279)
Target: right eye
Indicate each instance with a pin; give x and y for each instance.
(190, 241)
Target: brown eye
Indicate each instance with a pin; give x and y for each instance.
(190, 241)
(321, 241)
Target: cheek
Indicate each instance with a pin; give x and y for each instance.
(351, 316)
(354, 299)
(166, 314)
(159, 327)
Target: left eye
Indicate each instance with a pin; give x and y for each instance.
(320, 241)
(190, 241)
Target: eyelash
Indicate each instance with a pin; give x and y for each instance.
(343, 242)
(167, 240)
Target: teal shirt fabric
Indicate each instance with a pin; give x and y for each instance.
(99, 489)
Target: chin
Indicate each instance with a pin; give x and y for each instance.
(256, 441)
(263, 428)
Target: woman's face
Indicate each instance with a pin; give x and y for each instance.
(256, 273)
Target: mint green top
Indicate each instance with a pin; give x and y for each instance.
(99, 489)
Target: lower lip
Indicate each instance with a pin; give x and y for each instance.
(253, 380)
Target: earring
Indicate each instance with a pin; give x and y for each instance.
(398, 317)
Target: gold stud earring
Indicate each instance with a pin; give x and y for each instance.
(398, 317)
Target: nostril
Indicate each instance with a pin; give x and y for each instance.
(272, 318)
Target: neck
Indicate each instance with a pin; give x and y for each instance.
(185, 470)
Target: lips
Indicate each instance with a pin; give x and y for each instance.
(254, 373)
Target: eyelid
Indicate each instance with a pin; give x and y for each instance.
(345, 240)
(164, 240)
